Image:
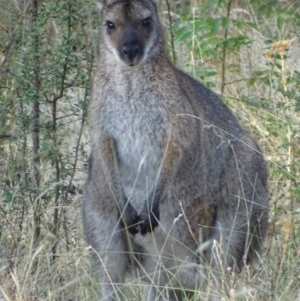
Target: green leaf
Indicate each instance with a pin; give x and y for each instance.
(279, 22)
(225, 22)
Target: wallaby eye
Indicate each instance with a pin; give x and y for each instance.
(110, 25)
(147, 22)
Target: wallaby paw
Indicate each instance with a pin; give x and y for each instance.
(134, 225)
(131, 219)
(148, 222)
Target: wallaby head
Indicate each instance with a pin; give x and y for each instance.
(130, 30)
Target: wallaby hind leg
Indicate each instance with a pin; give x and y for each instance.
(239, 230)
(109, 248)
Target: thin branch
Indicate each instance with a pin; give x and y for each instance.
(224, 50)
(171, 31)
(36, 121)
(57, 210)
(83, 120)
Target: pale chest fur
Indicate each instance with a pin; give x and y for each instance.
(135, 118)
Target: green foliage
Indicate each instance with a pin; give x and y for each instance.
(45, 81)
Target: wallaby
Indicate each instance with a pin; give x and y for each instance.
(172, 175)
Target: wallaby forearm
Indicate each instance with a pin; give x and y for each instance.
(107, 159)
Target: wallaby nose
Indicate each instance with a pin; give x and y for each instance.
(131, 50)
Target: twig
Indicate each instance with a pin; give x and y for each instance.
(224, 50)
(171, 31)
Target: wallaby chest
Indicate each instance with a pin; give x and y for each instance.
(135, 118)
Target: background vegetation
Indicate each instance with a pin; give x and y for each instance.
(248, 51)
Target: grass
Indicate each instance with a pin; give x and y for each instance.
(259, 82)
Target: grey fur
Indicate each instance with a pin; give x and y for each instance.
(167, 153)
